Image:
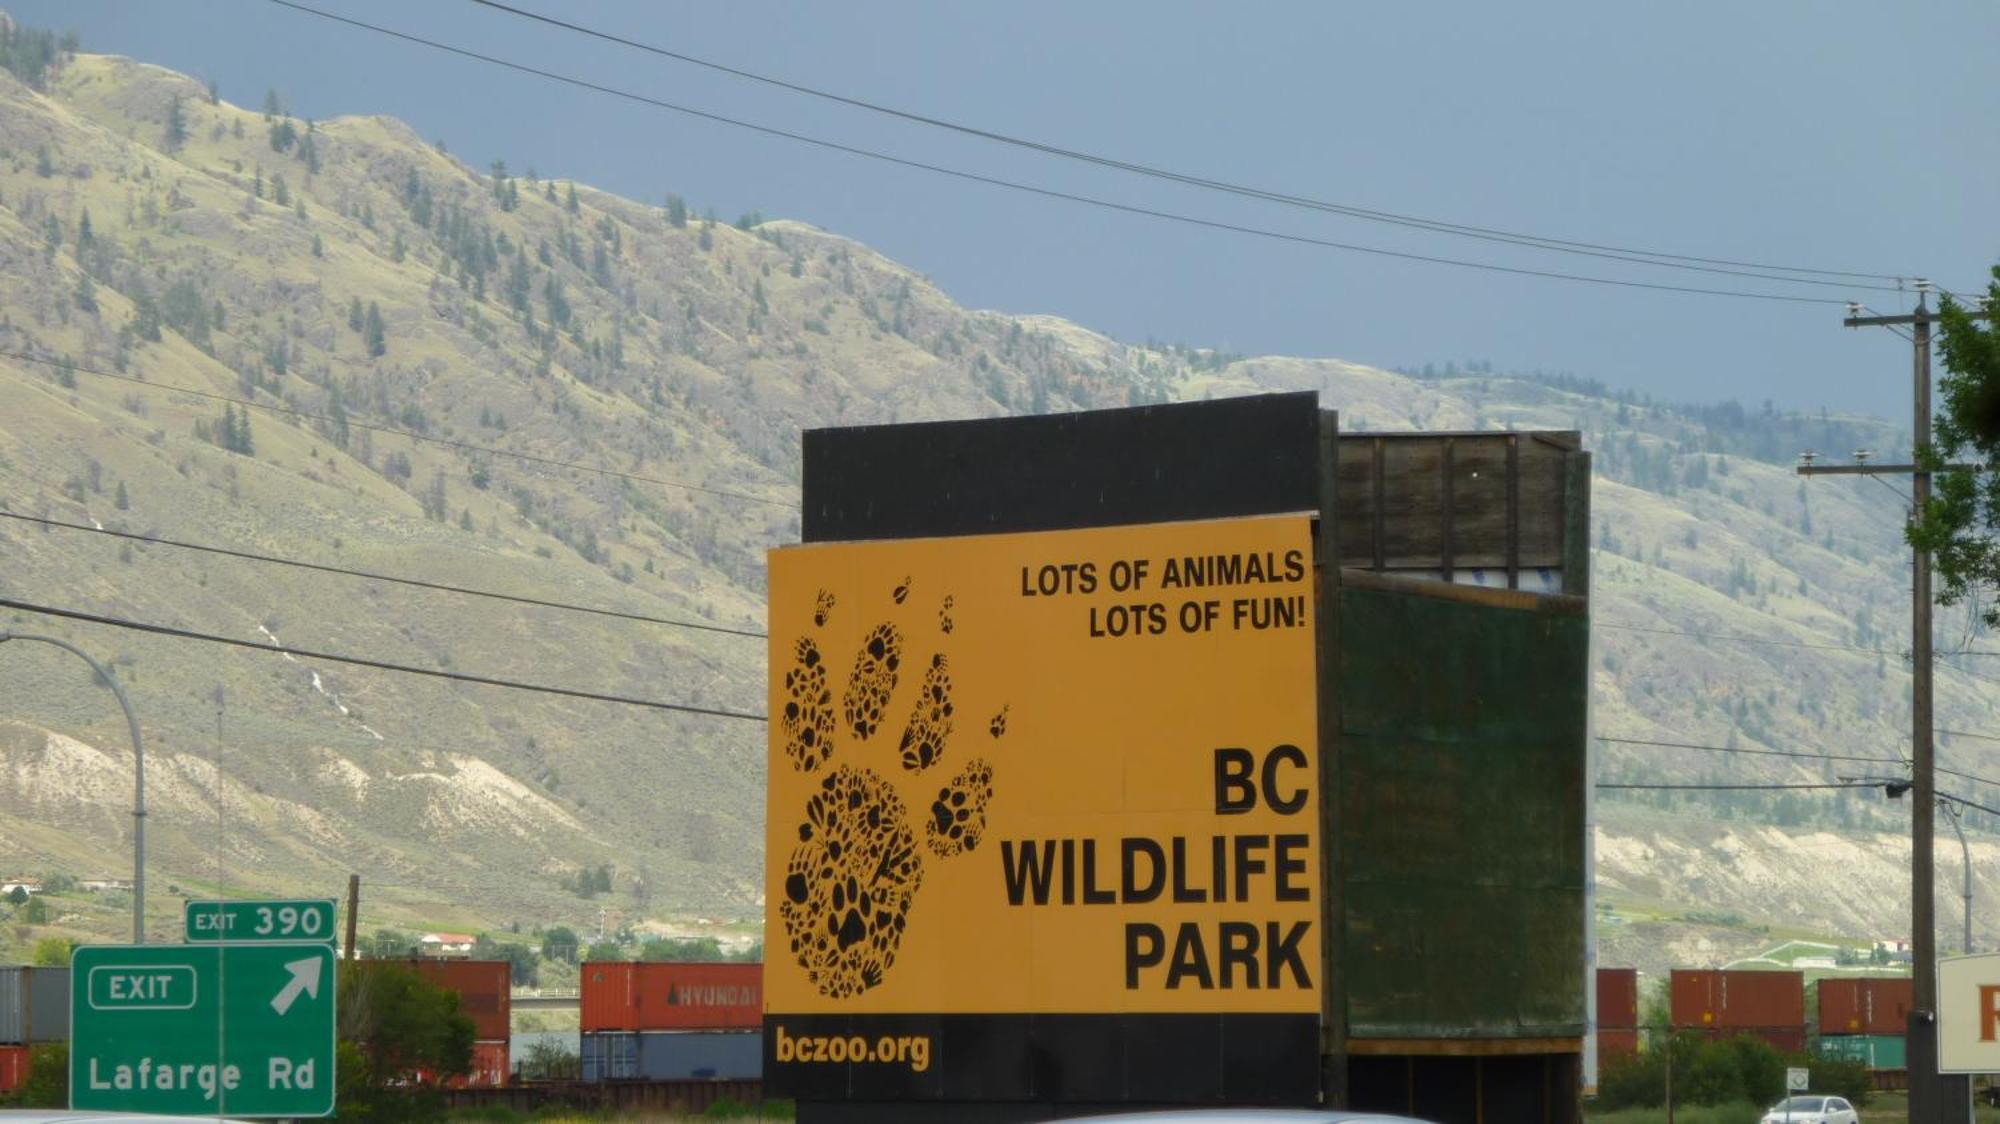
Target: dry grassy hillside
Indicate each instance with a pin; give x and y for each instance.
(353, 272)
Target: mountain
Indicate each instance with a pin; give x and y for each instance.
(649, 369)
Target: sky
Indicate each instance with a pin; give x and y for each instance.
(1823, 134)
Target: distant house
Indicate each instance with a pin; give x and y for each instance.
(100, 885)
(446, 946)
(20, 882)
(1896, 949)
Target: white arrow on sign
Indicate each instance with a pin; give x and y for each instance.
(305, 977)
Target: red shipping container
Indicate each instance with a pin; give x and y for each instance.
(1865, 1006)
(485, 990)
(1618, 998)
(13, 1067)
(628, 996)
(1786, 1039)
(489, 1065)
(490, 1069)
(1615, 1044)
(1705, 998)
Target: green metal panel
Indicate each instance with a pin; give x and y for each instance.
(1461, 772)
(1876, 1051)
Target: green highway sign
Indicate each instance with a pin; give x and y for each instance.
(307, 919)
(237, 1029)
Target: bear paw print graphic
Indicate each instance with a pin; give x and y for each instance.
(857, 866)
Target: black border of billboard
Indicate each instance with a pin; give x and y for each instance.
(1058, 1060)
(1103, 468)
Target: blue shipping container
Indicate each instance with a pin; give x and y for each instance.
(681, 1055)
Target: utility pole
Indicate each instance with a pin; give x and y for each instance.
(353, 911)
(1933, 1097)
(1926, 1095)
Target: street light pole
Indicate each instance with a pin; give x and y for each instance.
(1965, 854)
(138, 775)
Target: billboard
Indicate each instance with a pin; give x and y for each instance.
(1046, 784)
(1968, 1013)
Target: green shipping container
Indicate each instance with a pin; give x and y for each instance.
(1876, 1051)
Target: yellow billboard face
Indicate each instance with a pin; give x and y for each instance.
(1056, 772)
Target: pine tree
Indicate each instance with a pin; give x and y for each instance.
(271, 105)
(86, 294)
(376, 332)
(214, 93)
(319, 250)
(145, 317)
(677, 212)
(570, 202)
(354, 314)
(177, 133)
(124, 499)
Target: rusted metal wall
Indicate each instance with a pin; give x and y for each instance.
(1864, 1006)
(634, 996)
(1461, 773)
(13, 1067)
(1702, 999)
(485, 992)
(1618, 998)
(1449, 505)
(1616, 1044)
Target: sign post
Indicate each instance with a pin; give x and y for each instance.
(243, 1029)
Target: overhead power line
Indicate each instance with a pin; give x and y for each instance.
(1753, 752)
(379, 665)
(323, 568)
(1735, 639)
(1734, 787)
(1795, 753)
(463, 446)
(1044, 192)
(1963, 802)
(1561, 245)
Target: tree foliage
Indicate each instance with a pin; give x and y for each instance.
(1721, 1071)
(176, 133)
(400, 1034)
(1960, 523)
(51, 952)
(404, 1029)
(559, 943)
(27, 53)
(47, 1083)
(375, 332)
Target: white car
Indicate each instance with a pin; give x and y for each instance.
(1812, 1109)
